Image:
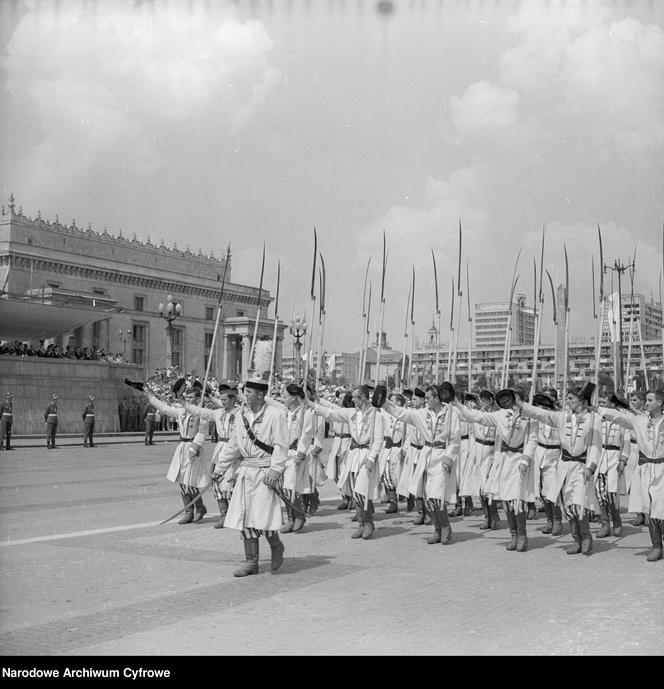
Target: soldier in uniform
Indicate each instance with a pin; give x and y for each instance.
(467, 474)
(636, 401)
(316, 475)
(366, 429)
(547, 467)
(6, 421)
(150, 421)
(51, 421)
(260, 441)
(484, 440)
(508, 476)
(647, 490)
(580, 433)
(223, 418)
(339, 449)
(439, 427)
(88, 417)
(187, 467)
(391, 458)
(411, 483)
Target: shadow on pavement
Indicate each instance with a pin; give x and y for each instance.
(293, 565)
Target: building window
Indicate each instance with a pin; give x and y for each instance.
(96, 331)
(98, 290)
(177, 346)
(209, 313)
(139, 338)
(54, 285)
(139, 303)
(137, 355)
(208, 340)
(240, 313)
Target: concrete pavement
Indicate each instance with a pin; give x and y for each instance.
(87, 570)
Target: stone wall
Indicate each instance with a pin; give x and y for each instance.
(33, 379)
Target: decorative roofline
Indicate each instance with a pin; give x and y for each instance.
(73, 229)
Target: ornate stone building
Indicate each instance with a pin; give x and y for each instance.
(70, 285)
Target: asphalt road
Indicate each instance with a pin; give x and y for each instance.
(88, 570)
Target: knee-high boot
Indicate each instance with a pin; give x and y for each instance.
(392, 499)
(586, 538)
(188, 515)
(369, 528)
(575, 548)
(604, 529)
(201, 510)
(468, 506)
(435, 536)
(458, 507)
(223, 510)
(445, 528)
(359, 513)
(277, 549)
(419, 520)
(655, 553)
(251, 556)
(299, 518)
(495, 517)
(557, 520)
(548, 511)
(615, 516)
(532, 511)
(486, 524)
(522, 536)
(511, 523)
(287, 528)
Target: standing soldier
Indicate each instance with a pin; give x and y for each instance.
(467, 474)
(484, 440)
(411, 483)
(6, 421)
(260, 440)
(647, 490)
(366, 430)
(51, 420)
(609, 480)
(439, 427)
(580, 432)
(88, 416)
(224, 421)
(149, 417)
(547, 467)
(636, 401)
(339, 449)
(508, 477)
(391, 458)
(187, 467)
(315, 470)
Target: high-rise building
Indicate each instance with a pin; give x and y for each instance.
(640, 316)
(490, 323)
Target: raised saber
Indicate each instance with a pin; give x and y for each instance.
(274, 331)
(508, 330)
(566, 357)
(360, 371)
(449, 349)
(405, 342)
(258, 314)
(538, 320)
(600, 324)
(313, 313)
(382, 312)
(555, 331)
(412, 332)
(435, 280)
(459, 297)
(470, 333)
(321, 317)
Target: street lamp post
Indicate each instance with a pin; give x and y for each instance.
(298, 329)
(125, 336)
(169, 312)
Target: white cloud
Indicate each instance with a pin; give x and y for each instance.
(485, 105)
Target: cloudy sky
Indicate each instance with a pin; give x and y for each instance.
(204, 123)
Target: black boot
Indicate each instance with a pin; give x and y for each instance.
(640, 519)
(201, 510)
(298, 517)
(343, 505)
(419, 520)
(486, 524)
(369, 528)
(223, 510)
(359, 518)
(410, 503)
(251, 555)
(548, 511)
(188, 516)
(277, 548)
(445, 527)
(468, 507)
(532, 511)
(435, 537)
(287, 528)
(495, 517)
(655, 553)
(458, 508)
(557, 520)
(586, 538)
(393, 505)
(604, 528)
(614, 508)
(314, 502)
(575, 548)
(522, 536)
(511, 523)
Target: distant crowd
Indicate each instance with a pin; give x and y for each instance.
(52, 351)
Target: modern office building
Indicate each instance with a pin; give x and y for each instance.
(490, 323)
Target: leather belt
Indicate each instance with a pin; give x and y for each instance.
(343, 435)
(481, 441)
(223, 440)
(548, 447)
(507, 448)
(438, 444)
(567, 457)
(417, 447)
(650, 460)
(465, 437)
(186, 440)
(389, 443)
(611, 447)
(356, 446)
